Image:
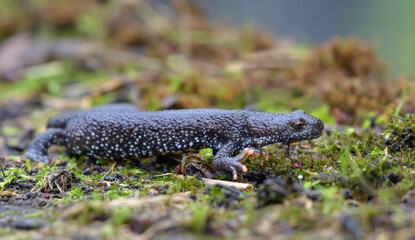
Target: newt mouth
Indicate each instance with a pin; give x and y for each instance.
(318, 130)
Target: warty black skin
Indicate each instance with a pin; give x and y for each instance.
(120, 132)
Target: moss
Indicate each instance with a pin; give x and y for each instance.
(121, 216)
(201, 214)
(75, 193)
(35, 214)
(188, 184)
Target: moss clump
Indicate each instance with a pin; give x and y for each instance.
(400, 134)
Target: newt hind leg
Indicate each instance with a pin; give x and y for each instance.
(38, 148)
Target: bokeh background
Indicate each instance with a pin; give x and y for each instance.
(389, 25)
(347, 63)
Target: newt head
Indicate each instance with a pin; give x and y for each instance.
(267, 128)
(302, 127)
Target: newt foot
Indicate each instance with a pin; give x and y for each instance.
(235, 163)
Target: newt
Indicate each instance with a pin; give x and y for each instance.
(120, 132)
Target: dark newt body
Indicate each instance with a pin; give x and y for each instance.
(119, 131)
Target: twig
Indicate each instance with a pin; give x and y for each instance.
(1, 166)
(109, 170)
(235, 185)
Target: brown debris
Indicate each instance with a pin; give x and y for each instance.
(348, 75)
(57, 181)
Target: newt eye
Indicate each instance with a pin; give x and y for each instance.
(300, 125)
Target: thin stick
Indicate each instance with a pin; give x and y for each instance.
(236, 185)
(109, 170)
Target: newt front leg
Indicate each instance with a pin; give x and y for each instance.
(223, 159)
